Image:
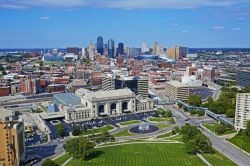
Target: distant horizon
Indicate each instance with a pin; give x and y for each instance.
(61, 23)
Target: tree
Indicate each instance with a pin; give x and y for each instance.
(191, 147)
(203, 143)
(49, 162)
(195, 100)
(210, 101)
(175, 130)
(76, 131)
(193, 112)
(230, 113)
(80, 148)
(201, 113)
(220, 129)
(179, 105)
(60, 130)
(248, 128)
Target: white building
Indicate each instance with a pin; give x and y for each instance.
(242, 110)
(191, 81)
(104, 103)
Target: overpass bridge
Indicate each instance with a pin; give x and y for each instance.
(209, 113)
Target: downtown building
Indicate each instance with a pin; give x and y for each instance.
(176, 90)
(100, 45)
(177, 52)
(12, 149)
(137, 84)
(243, 78)
(242, 110)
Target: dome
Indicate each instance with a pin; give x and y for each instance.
(52, 58)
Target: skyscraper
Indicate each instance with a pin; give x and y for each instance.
(155, 45)
(111, 48)
(144, 47)
(99, 45)
(177, 52)
(120, 50)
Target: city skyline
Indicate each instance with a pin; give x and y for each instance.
(42, 24)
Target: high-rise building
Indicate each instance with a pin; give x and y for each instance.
(177, 90)
(144, 48)
(177, 52)
(243, 78)
(137, 84)
(120, 49)
(99, 45)
(111, 48)
(155, 45)
(242, 110)
(91, 51)
(12, 150)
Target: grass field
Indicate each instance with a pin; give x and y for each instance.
(157, 119)
(98, 130)
(242, 141)
(130, 122)
(62, 159)
(162, 126)
(218, 159)
(123, 133)
(165, 135)
(142, 155)
(213, 126)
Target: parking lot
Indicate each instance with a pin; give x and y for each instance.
(94, 123)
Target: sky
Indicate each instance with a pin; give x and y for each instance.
(67, 23)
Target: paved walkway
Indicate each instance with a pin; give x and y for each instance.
(67, 161)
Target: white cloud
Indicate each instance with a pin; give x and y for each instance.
(236, 29)
(125, 4)
(44, 17)
(218, 27)
(184, 31)
(12, 6)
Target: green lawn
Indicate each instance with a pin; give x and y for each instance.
(242, 141)
(142, 155)
(98, 130)
(62, 159)
(162, 126)
(130, 122)
(165, 135)
(217, 159)
(123, 133)
(213, 126)
(157, 119)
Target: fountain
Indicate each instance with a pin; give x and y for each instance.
(144, 128)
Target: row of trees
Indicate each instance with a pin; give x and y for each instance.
(195, 141)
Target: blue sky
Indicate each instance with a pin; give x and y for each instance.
(62, 23)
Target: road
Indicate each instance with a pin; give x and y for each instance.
(159, 132)
(220, 144)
